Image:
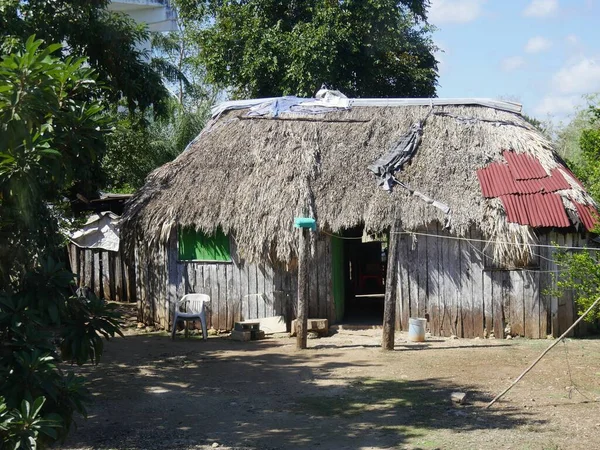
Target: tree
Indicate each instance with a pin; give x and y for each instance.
(139, 145)
(581, 270)
(109, 40)
(365, 48)
(51, 130)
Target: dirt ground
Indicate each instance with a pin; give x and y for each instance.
(341, 393)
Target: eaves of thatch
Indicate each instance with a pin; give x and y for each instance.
(252, 176)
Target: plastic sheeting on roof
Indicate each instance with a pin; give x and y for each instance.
(100, 231)
(382, 102)
(326, 101)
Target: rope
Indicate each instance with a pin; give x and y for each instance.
(487, 242)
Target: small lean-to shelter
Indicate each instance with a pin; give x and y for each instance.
(96, 259)
(478, 194)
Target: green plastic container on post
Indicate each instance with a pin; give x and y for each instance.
(305, 222)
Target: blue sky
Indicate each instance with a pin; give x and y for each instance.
(544, 54)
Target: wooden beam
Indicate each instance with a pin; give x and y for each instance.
(302, 290)
(389, 308)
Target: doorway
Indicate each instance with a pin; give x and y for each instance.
(359, 270)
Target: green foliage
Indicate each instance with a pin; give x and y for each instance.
(51, 136)
(588, 168)
(108, 40)
(52, 130)
(365, 48)
(139, 145)
(21, 428)
(580, 272)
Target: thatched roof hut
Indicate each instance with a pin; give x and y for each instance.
(250, 175)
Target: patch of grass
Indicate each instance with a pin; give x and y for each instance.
(368, 394)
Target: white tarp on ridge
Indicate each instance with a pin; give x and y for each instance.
(327, 101)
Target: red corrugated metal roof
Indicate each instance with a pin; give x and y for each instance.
(537, 210)
(523, 166)
(587, 214)
(498, 179)
(527, 191)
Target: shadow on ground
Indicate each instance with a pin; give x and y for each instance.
(151, 392)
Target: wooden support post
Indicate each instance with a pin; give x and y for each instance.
(389, 308)
(302, 290)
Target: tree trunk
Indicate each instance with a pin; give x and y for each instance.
(389, 308)
(302, 315)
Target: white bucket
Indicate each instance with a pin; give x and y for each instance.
(416, 329)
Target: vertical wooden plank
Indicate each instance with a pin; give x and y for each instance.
(517, 304)
(261, 298)
(313, 280)
(105, 275)
(222, 284)
(544, 282)
(531, 303)
(500, 288)
(433, 287)
(270, 290)
(72, 249)
(172, 273)
(476, 283)
(85, 268)
(118, 279)
(413, 274)
(454, 272)
(231, 296)
(77, 269)
(467, 309)
(253, 294)
(422, 275)
(389, 310)
(244, 305)
(303, 280)
(212, 289)
(403, 243)
(448, 286)
(488, 288)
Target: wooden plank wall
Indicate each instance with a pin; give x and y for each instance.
(105, 272)
(238, 290)
(452, 282)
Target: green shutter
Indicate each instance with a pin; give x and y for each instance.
(197, 246)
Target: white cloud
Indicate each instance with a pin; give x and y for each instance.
(572, 39)
(512, 63)
(537, 44)
(557, 105)
(582, 77)
(541, 8)
(455, 11)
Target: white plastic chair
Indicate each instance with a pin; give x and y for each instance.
(194, 309)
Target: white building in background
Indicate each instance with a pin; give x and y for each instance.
(157, 14)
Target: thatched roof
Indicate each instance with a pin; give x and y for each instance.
(252, 176)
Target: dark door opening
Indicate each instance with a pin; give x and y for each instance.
(363, 271)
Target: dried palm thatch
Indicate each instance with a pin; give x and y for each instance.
(252, 176)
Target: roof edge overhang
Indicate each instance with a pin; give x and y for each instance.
(501, 105)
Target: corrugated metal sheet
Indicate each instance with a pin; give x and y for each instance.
(527, 191)
(498, 179)
(587, 214)
(536, 210)
(523, 166)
